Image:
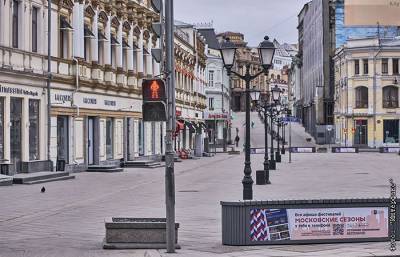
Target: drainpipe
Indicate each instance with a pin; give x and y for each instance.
(375, 86)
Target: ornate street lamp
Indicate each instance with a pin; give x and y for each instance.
(266, 51)
(276, 96)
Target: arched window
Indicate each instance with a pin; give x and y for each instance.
(272, 76)
(361, 97)
(278, 77)
(390, 97)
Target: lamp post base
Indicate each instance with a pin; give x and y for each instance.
(261, 177)
(272, 164)
(278, 157)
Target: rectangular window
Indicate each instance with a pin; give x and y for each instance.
(211, 78)
(33, 129)
(385, 66)
(62, 47)
(34, 29)
(109, 138)
(15, 24)
(365, 64)
(211, 104)
(1, 128)
(395, 66)
(391, 131)
(357, 67)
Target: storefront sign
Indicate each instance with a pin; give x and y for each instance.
(95, 101)
(302, 149)
(17, 91)
(217, 116)
(257, 150)
(344, 150)
(392, 218)
(318, 224)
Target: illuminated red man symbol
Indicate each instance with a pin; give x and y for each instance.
(154, 87)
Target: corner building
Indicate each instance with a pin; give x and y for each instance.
(100, 55)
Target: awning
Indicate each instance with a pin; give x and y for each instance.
(88, 32)
(190, 126)
(114, 41)
(145, 51)
(202, 124)
(195, 125)
(125, 44)
(64, 24)
(101, 36)
(180, 125)
(135, 45)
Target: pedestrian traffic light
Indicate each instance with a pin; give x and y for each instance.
(154, 100)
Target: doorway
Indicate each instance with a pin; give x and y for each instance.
(91, 121)
(361, 133)
(15, 131)
(62, 138)
(130, 144)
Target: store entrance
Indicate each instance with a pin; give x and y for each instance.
(15, 131)
(90, 131)
(62, 138)
(361, 133)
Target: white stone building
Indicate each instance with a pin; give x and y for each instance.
(100, 54)
(218, 113)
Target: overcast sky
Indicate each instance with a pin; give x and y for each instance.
(253, 18)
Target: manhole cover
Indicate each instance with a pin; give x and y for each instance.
(188, 191)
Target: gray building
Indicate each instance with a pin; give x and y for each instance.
(316, 50)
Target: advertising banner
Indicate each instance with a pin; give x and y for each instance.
(372, 12)
(303, 149)
(318, 224)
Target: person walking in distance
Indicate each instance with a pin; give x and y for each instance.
(237, 139)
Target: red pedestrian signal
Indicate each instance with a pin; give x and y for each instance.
(154, 100)
(153, 90)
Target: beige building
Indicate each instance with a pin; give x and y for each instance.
(244, 55)
(100, 54)
(367, 77)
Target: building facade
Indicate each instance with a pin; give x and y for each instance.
(367, 109)
(218, 114)
(244, 55)
(316, 47)
(100, 55)
(190, 72)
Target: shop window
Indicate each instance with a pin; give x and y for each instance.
(365, 64)
(385, 66)
(33, 129)
(391, 131)
(390, 97)
(109, 138)
(141, 137)
(357, 67)
(1, 128)
(15, 23)
(34, 29)
(361, 97)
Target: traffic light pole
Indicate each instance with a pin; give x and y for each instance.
(169, 153)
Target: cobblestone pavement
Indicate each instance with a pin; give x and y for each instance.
(68, 219)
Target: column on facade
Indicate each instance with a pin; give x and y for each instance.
(78, 34)
(149, 58)
(130, 50)
(118, 48)
(23, 42)
(107, 43)
(94, 43)
(25, 130)
(139, 54)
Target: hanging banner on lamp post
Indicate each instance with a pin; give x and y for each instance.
(372, 12)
